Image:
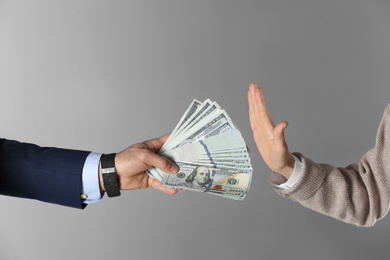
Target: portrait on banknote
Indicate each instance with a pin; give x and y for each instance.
(199, 178)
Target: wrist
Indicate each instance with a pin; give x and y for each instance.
(288, 169)
(101, 183)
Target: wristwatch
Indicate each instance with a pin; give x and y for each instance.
(109, 175)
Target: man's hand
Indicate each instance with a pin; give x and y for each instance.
(269, 139)
(132, 163)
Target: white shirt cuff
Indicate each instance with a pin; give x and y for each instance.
(90, 188)
(294, 176)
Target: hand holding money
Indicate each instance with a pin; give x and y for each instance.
(211, 153)
(132, 163)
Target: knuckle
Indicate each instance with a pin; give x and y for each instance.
(143, 155)
(165, 163)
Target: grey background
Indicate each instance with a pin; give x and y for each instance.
(323, 66)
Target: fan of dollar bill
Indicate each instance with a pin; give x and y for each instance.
(210, 151)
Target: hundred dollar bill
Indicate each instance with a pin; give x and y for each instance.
(211, 127)
(210, 151)
(203, 117)
(220, 169)
(233, 187)
(195, 104)
(190, 111)
(155, 173)
(195, 116)
(200, 118)
(226, 161)
(188, 118)
(217, 125)
(231, 152)
(227, 154)
(223, 141)
(206, 179)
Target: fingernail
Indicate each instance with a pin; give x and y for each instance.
(174, 169)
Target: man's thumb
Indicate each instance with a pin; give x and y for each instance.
(279, 133)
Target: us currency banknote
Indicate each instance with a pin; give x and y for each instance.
(210, 151)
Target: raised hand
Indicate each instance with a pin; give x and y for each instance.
(269, 138)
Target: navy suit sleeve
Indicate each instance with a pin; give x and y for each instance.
(48, 174)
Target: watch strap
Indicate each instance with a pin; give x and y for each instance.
(109, 175)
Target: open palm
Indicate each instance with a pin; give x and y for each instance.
(269, 138)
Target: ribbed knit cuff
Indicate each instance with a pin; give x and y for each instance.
(309, 181)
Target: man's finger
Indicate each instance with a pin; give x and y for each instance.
(162, 162)
(262, 108)
(164, 138)
(156, 144)
(258, 113)
(156, 185)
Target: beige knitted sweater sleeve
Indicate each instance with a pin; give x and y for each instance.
(358, 194)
